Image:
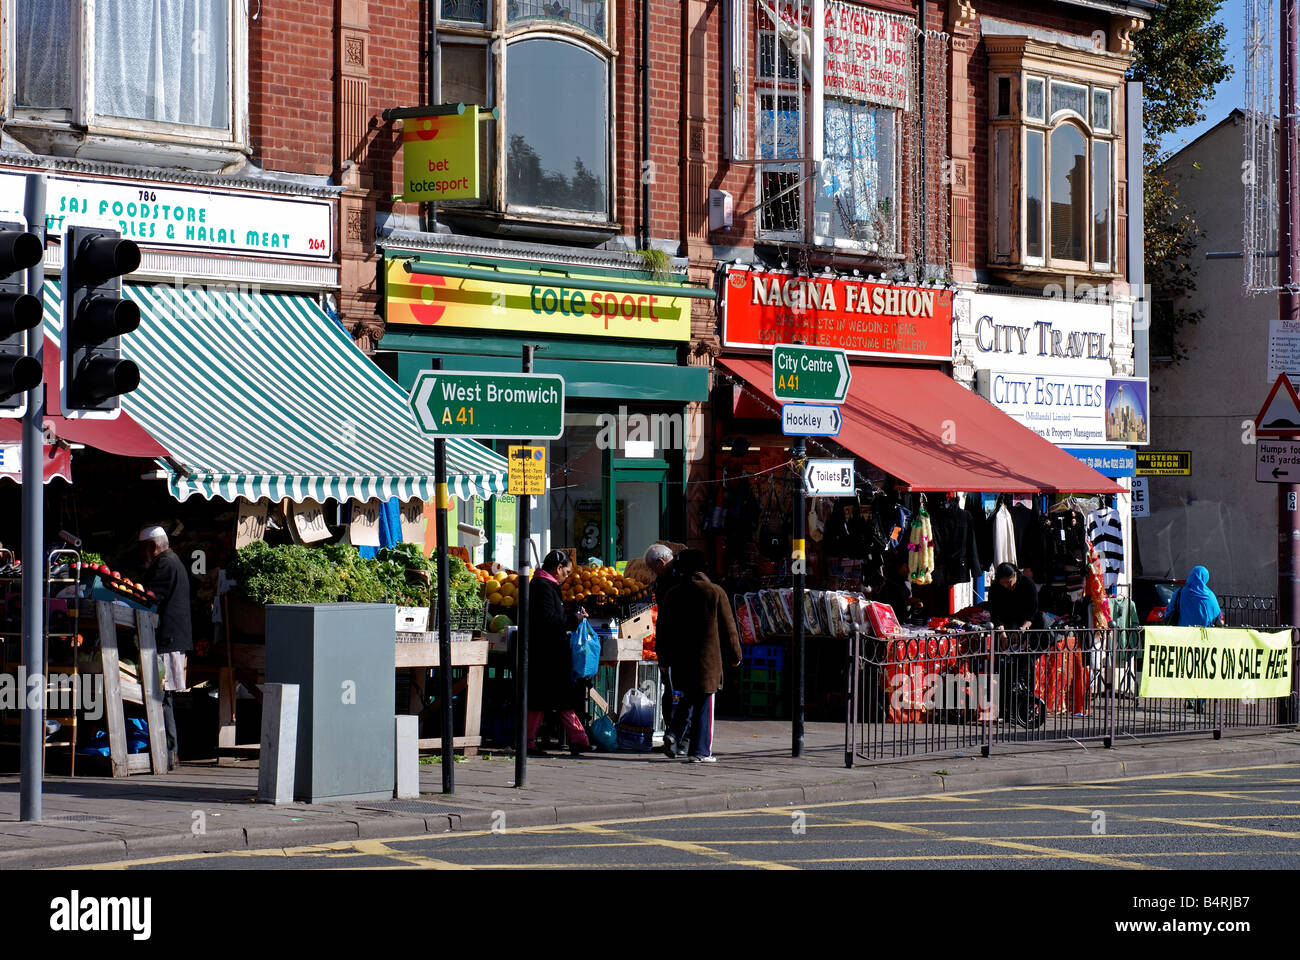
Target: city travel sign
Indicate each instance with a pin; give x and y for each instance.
(489, 406)
(552, 305)
(763, 308)
(440, 157)
(810, 374)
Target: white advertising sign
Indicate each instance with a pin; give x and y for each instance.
(1283, 349)
(868, 53)
(1141, 505)
(1041, 335)
(1064, 410)
(164, 215)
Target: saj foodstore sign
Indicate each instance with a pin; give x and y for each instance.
(571, 306)
(763, 308)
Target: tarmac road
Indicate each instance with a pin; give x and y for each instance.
(1240, 818)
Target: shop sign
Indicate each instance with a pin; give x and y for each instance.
(1164, 463)
(500, 406)
(829, 478)
(527, 473)
(813, 374)
(1283, 348)
(1108, 461)
(765, 308)
(162, 215)
(440, 157)
(548, 307)
(1071, 410)
(868, 54)
(1141, 506)
(1277, 461)
(1041, 335)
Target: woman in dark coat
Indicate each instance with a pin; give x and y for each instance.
(550, 678)
(696, 631)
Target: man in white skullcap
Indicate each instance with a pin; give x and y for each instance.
(167, 577)
(659, 558)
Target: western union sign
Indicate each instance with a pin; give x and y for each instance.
(1164, 463)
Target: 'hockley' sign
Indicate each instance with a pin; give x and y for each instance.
(866, 319)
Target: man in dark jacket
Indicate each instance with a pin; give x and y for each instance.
(167, 577)
(698, 631)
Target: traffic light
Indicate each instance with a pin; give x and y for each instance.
(95, 315)
(19, 313)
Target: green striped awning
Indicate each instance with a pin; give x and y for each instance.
(264, 395)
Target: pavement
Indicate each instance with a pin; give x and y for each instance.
(209, 807)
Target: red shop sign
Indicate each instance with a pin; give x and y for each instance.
(865, 319)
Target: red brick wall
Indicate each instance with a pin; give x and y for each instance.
(291, 86)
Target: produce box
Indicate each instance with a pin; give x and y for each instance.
(412, 619)
(636, 628)
(619, 648)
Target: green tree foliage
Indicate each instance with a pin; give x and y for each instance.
(1179, 58)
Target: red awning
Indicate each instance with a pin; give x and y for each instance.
(123, 436)
(933, 434)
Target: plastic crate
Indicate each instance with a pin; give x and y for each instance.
(761, 678)
(774, 705)
(763, 656)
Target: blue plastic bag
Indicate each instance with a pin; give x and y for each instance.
(603, 734)
(584, 646)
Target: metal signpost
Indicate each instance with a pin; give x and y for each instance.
(815, 379)
(490, 406)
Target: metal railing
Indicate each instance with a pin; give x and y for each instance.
(973, 691)
(1250, 611)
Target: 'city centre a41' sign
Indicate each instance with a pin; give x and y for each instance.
(810, 374)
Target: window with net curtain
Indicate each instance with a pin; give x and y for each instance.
(165, 61)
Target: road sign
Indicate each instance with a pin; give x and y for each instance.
(828, 478)
(810, 374)
(1280, 415)
(1277, 461)
(527, 474)
(1164, 463)
(811, 420)
(489, 406)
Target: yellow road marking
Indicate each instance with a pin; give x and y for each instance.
(686, 846)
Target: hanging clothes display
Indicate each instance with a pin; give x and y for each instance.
(1096, 589)
(1004, 536)
(1029, 541)
(920, 560)
(981, 531)
(956, 558)
(1107, 535)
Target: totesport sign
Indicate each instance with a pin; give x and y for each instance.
(764, 308)
(552, 305)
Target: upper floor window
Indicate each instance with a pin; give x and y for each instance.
(153, 66)
(1052, 156)
(550, 154)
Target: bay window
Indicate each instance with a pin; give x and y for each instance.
(547, 67)
(157, 67)
(1052, 157)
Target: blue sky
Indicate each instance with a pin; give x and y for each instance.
(1230, 94)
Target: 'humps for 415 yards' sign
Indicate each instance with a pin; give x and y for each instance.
(161, 215)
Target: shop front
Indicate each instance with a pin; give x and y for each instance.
(930, 459)
(1063, 369)
(616, 478)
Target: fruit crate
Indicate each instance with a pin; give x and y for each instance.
(763, 656)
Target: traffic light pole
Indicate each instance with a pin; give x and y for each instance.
(523, 507)
(33, 493)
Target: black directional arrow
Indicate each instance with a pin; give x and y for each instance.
(1280, 473)
(835, 419)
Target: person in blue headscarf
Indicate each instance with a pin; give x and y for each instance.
(1195, 605)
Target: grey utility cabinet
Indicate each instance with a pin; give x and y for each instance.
(342, 657)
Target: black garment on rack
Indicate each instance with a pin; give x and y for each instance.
(981, 531)
(955, 555)
(1030, 553)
